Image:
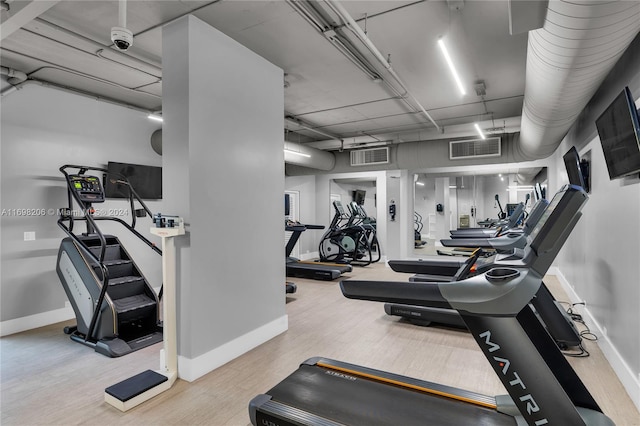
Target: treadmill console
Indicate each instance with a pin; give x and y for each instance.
(88, 188)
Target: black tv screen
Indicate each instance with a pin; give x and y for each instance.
(572, 164)
(145, 180)
(358, 196)
(619, 133)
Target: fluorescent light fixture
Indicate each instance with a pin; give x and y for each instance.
(301, 154)
(526, 188)
(155, 117)
(479, 130)
(420, 183)
(452, 68)
(453, 187)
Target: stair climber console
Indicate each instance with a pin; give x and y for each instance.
(117, 310)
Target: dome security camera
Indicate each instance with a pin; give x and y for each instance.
(121, 37)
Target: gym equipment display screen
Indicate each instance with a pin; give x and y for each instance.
(572, 164)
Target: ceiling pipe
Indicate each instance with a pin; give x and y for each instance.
(491, 128)
(304, 125)
(357, 30)
(28, 81)
(140, 65)
(567, 60)
(334, 36)
(13, 76)
(122, 13)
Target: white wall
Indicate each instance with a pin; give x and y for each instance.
(43, 129)
(493, 185)
(600, 262)
(424, 202)
(224, 158)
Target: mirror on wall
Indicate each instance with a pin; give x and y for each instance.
(361, 190)
(445, 201)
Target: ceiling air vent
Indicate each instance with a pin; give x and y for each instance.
(474, 148)
(364, 157)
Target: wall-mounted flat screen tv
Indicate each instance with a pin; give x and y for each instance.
(359, 196)
(145, 180)
(619, 131)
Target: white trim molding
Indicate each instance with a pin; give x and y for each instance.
(35, 321)
(192, 369)
(630, 382)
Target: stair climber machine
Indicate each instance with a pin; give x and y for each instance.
(542, 387)
(117, 310)
(139, 388)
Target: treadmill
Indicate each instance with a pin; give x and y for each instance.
(542, 387)
(514, 219)
(554, 317)
(448, 266)
(313, 270)
(506, 240)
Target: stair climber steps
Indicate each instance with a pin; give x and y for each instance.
(133, 308)
(112, 252)
(117, 268)
(128, 285)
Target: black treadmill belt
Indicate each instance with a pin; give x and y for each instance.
(306, 270)
(359, 401)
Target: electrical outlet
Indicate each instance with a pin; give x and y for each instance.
(30, 236)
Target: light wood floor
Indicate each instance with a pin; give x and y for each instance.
(47, 379)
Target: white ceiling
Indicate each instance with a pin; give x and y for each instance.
(69, 45)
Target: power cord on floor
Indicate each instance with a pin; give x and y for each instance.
(586, 333)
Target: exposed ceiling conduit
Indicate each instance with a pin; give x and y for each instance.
(13, 76)
(301, 124)
(567, 60)
(357, 30)
(66, 89)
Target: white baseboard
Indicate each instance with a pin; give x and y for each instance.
(192, 369)
(630, 382)
(34, 321)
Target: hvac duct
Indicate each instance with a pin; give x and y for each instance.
(308, 157)
(567, 60)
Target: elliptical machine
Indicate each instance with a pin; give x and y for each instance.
(335, 243)
(117, 310)
(350, 238)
